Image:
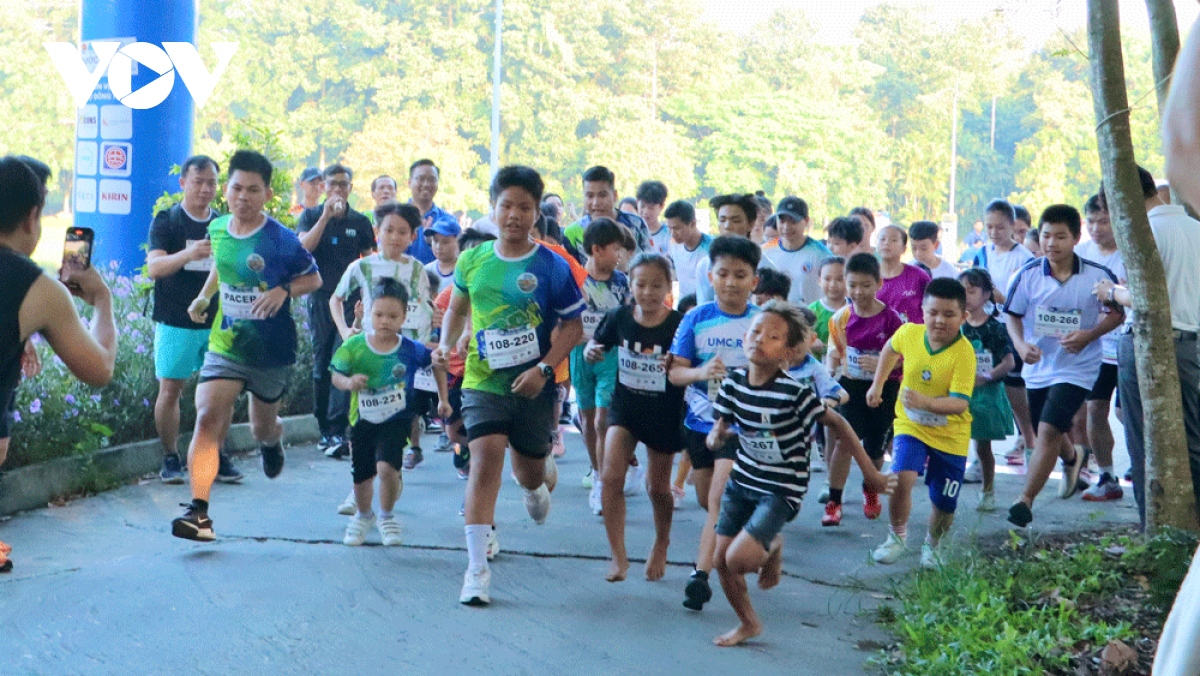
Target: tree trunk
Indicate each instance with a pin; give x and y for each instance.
(1169, 499)
(1164, 37)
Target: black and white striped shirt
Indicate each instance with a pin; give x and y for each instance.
(773, 421)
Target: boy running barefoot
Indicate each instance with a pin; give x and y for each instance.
(515, 292)
(857, 335)
(773, 413)
(646, 408)
(933, 423)
(709, 341)
(605, 289)
(1055, 324)
(378, 368)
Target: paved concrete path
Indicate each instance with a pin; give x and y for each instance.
(100, 586)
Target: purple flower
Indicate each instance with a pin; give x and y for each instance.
(96, 398)
(35, 406)
(116, 402)
(140, 349)
(70, 399)
(16, 415)
(132, 316)
(113, 265)
(146, 403)
(122, 292)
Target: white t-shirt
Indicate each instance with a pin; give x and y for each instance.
(1178, 238)
(1091, 251)
(803, 265)
(364, 272)
(660, 242)
(443, 280)
(944, 269)
(686, 261)
(1002, 265)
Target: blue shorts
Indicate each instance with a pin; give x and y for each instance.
(761, 515)
(593, 383)
(178, 353)
(943, 471)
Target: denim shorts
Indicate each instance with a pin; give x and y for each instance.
(762, 515)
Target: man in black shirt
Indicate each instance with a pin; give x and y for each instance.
(336, 235)
(178, 260)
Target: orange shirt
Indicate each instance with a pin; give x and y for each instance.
(562, 373)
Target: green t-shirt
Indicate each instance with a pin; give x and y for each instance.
(824, 314)
(515, 304)
(390, 377)
(247, 266)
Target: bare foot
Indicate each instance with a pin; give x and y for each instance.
(768, 576)
(617, 570)
(656, 562)
(736, 636)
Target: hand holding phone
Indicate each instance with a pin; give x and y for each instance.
(77, 250)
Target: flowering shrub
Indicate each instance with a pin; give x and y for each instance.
(56, 415)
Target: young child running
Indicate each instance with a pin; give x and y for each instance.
(605, 289)
(833, 298)
(812, 372)
(645, 407)
(397, 225)
(933, 423)
(903, 284)
(991, 415)
(772, 285)
(773, 413)
(924, 236)
(857, 334)
(1056, 324)
(708, 342)
(378, 368)
(684, 468)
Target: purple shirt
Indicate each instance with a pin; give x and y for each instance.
(865, 336)
(904, 292)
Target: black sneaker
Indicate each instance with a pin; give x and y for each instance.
(338, 451)
(1020, 515)
(172, 469)
(272, 459)
(227, 473)
(697, 591)
(193, 525)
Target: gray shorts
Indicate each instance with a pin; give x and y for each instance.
(528, 423)
(266, 383)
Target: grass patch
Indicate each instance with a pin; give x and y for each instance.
(1043, 607)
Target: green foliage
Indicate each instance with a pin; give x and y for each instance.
(57, 416)
(1025, 611)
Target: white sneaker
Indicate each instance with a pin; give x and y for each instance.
(537, 503)
(635, 477)
(356, 530)
(594, 501)
(974, 474)
(587, 479)
(348, 508)
(987, 502)
(929, 556)
(389, 531)
(817, 464)
(890, 550)
(475, 587)
(493, 546)
(823, 496)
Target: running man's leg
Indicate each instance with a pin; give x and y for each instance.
(214, 411)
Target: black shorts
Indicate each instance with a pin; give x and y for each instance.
(1014, 379)
(872, 425)
(656, 433)
(1056, 405)
(699, 453)
(372, 443)
(1106, 382)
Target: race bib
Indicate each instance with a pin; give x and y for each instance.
(590, 321)
(236, 301)
(642, 372)
(423, 380)
(762, 446)
(414, 318)
(505, 348)
(854, 367)
(1051, 323)
(378, 406)
(202, 265)
(983, 363)
(926, 418)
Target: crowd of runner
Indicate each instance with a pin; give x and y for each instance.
(763, 353)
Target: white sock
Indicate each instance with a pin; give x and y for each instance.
(368, 516)
(1109, 471)
(477, 538)
(386, 515)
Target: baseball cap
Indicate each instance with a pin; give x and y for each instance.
(310, 174)
(444, 228)
(792, 207)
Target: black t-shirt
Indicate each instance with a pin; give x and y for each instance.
(171, 231)
(343, 242)
(19, 274)
(642, 386)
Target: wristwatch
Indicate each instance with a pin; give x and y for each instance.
(546, 369)
(287, 286)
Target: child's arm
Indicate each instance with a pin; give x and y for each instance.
(1005, 366)
(594, 351)
(1075, 341)
(1030, 353)
(887, 363)
(948, 405)
(682, 372)
(354, 383)
(719, 433)
(338, 307)
(452, 325)
(445, 410)
(841, 430)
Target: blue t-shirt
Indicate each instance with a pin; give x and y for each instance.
(814, 374)
(705, 334)
(420, 248)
